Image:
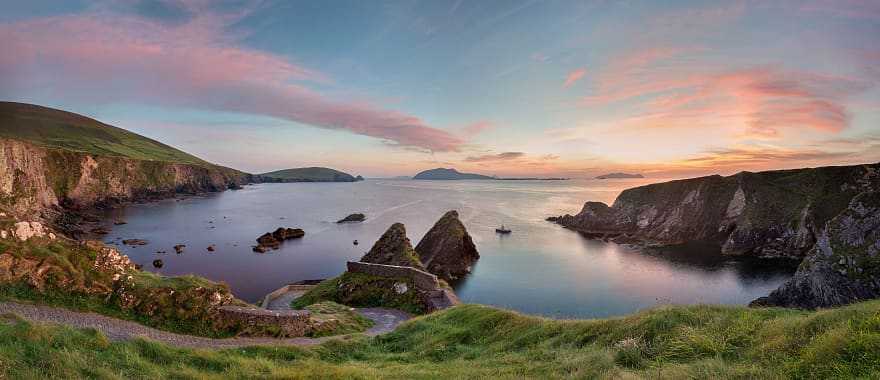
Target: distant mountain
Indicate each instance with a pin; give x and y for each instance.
(619, 175)
(312, 174)
(448, 174)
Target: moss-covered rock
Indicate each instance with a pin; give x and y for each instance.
(393, 248)
(447, 250)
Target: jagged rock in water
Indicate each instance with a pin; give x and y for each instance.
(393, 248)
(268, 240)
(844, 265)
(358, 217)
(447, 250)
(773, 213)
(179, 248)
(282, 234)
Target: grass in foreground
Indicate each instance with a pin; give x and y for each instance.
(477, 341)
(336, 319)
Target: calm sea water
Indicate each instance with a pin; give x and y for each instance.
(540, 268)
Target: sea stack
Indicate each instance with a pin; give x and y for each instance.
(393, 248)
(447, 250)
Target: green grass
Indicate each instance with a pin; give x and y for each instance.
(472, 341)
(336, 319)
(54, 128)
(362, 290)
(174, 304)
(312, 174)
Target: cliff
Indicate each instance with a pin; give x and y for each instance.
(52, 160)
(773, 213)
(844, 265)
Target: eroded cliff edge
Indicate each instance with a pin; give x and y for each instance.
(44, 182)
(825, 214)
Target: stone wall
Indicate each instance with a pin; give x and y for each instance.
(421, 279)
(293, 323)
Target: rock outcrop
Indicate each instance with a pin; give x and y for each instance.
(357, 217)
(36, 180)
(844, 265)
(393, 248)
(447, 250)
(774, 213)
(273, 240)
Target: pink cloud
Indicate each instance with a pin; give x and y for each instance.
(573, 77)
(477, 128)
(105, 58)
(764, 100)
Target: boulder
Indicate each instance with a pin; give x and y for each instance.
(447, 250)
(268, 240)
(393, 248)
(179, 248)
(282, 234)
(358, 217)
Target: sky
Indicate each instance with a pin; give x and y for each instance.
(508, 88)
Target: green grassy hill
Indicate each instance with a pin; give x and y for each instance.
(312, 174)
(54, 128)
(471, 341)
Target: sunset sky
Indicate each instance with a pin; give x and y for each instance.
(512, 88)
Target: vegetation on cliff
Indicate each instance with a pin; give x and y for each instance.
(312, 174)
(53, 128)
(474, 341)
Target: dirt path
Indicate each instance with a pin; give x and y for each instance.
(117, 329)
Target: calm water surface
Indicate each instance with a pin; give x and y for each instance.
(540, 268)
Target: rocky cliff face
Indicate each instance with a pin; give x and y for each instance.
(843, 266)
(447, 250)
(35, 179)
(393, 248)
(775, 213)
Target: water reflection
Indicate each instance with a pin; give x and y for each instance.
(540, 268)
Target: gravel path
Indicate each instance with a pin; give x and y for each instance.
(118, 329)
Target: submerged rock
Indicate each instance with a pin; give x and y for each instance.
(179, 248)
(447, 250)
(393, 248)
(158, 263)
(268, 240)
(844, 265)
(353, 218)
(134, 242)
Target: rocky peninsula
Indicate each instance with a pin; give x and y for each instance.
(792, 213)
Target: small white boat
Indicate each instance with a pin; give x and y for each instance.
(502, 230)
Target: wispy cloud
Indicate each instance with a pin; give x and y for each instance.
(106, 57)
(505, 156)
(477, 128)
(573, 77)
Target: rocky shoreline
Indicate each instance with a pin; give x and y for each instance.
(786, 213)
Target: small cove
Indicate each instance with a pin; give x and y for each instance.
(540, 268)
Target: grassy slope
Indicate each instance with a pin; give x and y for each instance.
(54, 128)
(477, 341)
(309, 174)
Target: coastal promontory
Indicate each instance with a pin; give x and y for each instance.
(448, 174)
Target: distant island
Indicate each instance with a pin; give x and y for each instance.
(619, 175)
(448, 174)
(312, 174)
